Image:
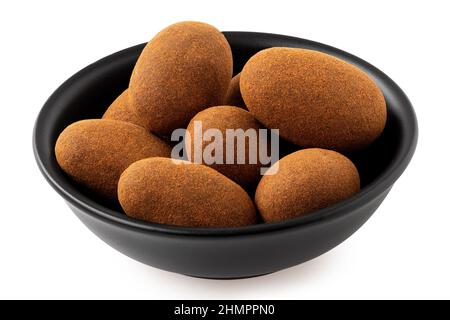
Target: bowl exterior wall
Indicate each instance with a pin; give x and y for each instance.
(230, 257)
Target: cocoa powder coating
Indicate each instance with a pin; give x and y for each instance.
(307, 180)
(222, 118)
(233, 96)
(95, 152)
(180, 193)
(184, 69)
(122, 110)
(314, 99)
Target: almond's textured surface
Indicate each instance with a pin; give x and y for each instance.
(122, 110)
(184, 69)
(222, 118)
(307, 180)
(183, 194)
(95, 152)
(233, 96)
(314, 99)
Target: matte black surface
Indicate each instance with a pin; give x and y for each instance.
(228, 252)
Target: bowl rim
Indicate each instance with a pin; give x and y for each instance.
(371, 191)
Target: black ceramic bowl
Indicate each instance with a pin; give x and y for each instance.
(232, 252)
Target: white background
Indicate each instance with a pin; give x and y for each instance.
(402, 252)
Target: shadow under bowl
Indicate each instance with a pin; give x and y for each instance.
(229, 252)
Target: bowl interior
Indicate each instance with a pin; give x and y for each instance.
(88, 94)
